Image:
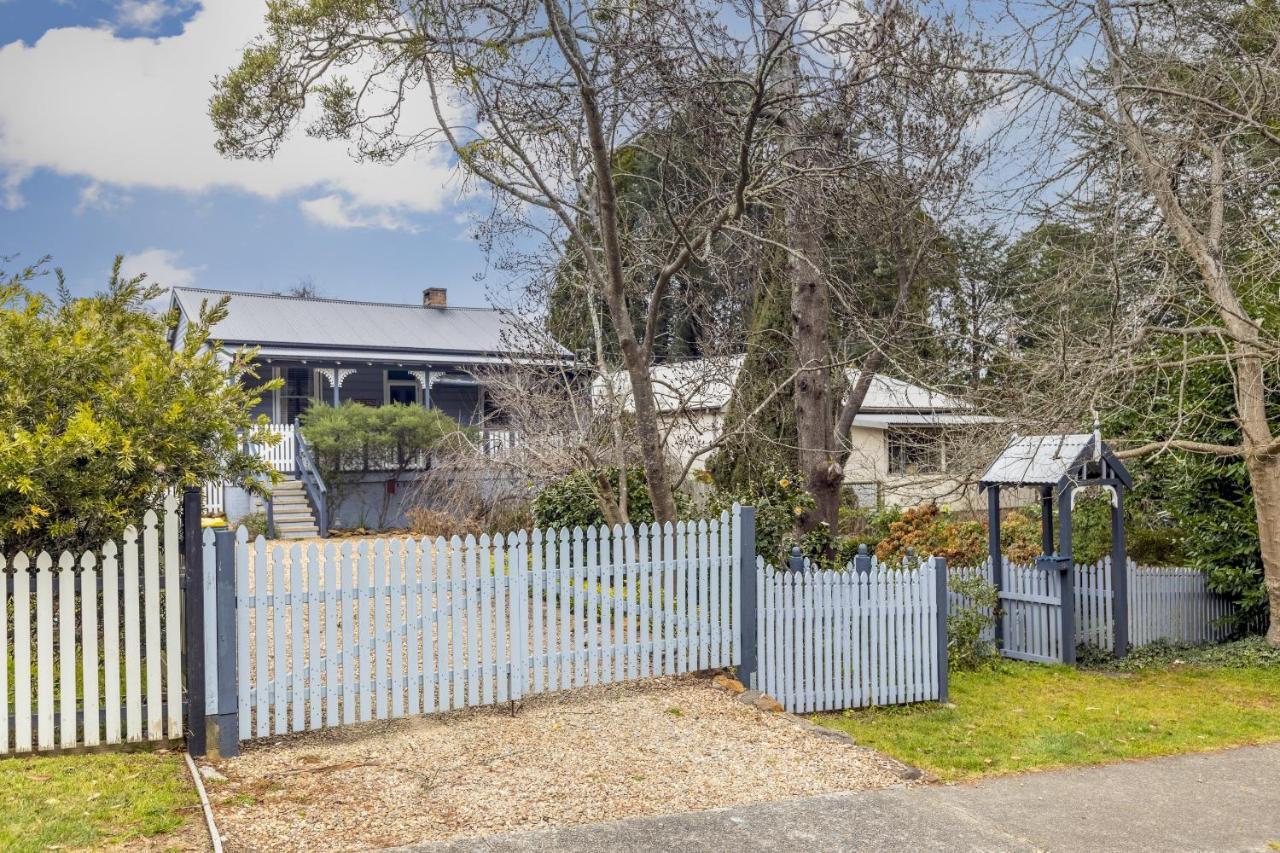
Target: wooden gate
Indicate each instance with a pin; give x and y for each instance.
(331, 633)
(1032, 603)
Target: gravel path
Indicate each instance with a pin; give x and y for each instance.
(659, 746)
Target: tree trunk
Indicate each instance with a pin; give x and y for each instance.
(1264, 476)
(810, 316)
(636, 357)
(810, 301)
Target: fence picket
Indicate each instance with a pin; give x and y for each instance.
(379, 638)
(88, 644)
(647, 603)
(573, 570)
(279, 698)
(67, 694)
(564, 569)
(413, 628)
(396, 584)
(296, 644)
(501, 583)
(111, 641)
(153, 652)
(331, 610)
(44, 651)
(310, 683)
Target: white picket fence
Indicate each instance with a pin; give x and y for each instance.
(344, 633)
(90, 653)
(1172, 604)
(280, 455)
(847, 639)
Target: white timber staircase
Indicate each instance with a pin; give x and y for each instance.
(292, 512)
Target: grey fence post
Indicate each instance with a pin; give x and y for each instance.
(940, 588)
(1120, 576)
(796, 562)
(862, 562)
(228, 719)
(747, 637)
(193, 616)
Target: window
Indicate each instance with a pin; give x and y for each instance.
(915, 450)
(295, 396)
(402, 388)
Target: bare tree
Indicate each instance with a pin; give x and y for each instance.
(1170, 114)
(878, 126)
(535, 100)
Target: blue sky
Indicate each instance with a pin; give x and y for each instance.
(105, 149)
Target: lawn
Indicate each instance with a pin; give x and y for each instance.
(1013, 717)
(91, 800)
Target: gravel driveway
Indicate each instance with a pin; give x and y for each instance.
(654, 747)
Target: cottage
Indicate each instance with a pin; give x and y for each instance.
(903, 439)
(375, 353)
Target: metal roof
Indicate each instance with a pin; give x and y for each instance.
(1046, 459)
(336, 324)
(707, 384)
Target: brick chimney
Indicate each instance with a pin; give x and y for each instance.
(435, 297)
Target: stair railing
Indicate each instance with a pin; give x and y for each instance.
(309, 474)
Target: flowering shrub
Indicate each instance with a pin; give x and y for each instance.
(929, 531)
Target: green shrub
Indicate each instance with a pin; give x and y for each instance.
(572, 501)
(100, 414)
(353, 437)
(255, 523)
(779, 499)
(966, 649)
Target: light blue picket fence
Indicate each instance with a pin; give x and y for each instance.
(847, 639)
(1172, 604)
(335, 633)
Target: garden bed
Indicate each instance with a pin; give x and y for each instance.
(654, 747)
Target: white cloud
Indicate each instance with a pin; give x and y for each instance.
(131, 113)
(162, 267)
(333, 210)
(145, 15)
(96, 196)
(11, 187)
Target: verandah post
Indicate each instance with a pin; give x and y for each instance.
(747, 636)
(193, 615)
(228, 719)
(940, 591)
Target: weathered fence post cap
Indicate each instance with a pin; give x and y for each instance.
(862, 549)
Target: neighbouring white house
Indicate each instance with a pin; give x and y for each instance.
(907, 441)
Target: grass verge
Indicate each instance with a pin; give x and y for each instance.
(1011, 717)
(91, 800)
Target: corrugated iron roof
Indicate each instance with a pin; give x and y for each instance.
(707, 384)
(258, 318)
(1038, 459)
